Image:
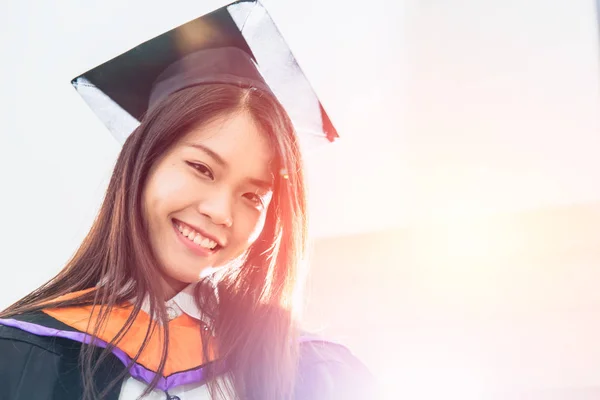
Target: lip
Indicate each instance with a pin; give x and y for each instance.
(198, 250)
(202, 232)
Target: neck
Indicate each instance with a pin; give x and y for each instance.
(171, 287)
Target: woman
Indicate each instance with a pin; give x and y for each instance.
(183, 287)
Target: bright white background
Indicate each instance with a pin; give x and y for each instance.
(448, 111)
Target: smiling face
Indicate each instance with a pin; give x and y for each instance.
(206, 199)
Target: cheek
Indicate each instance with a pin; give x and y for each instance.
(250, 229)
(258, 227)
(165, 192)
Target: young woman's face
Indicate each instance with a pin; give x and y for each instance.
(206, 199)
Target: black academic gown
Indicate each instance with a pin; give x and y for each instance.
(37, 367)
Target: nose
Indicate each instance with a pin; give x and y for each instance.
(217, 206)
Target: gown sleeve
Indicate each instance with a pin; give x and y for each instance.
(28, 370)
(46, 368)
(328, 371)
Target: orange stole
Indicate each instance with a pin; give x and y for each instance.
(185, 342)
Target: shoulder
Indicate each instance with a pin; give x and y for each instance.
(13, 340)
(328, 370)
(30, 363)
(18, 346)
(40, 360)
(34, 330)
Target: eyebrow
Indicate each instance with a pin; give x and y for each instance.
(218, 159)
(265, 185)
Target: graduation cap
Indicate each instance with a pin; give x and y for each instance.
(237, 44)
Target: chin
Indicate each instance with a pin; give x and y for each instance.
(186, 278)
(184, 275)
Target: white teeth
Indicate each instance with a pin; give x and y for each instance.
(197, 238)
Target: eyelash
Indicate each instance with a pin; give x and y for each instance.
(255, 198)
(203, 169)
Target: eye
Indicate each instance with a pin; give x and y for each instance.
(203, 169)
(255, 199)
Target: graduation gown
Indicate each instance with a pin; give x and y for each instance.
(39, 361)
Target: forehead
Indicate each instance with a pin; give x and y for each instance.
(239, 141)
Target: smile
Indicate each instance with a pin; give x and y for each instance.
(194, 239)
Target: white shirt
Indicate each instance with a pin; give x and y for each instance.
(132, 388)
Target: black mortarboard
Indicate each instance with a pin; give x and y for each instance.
(237, 44)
